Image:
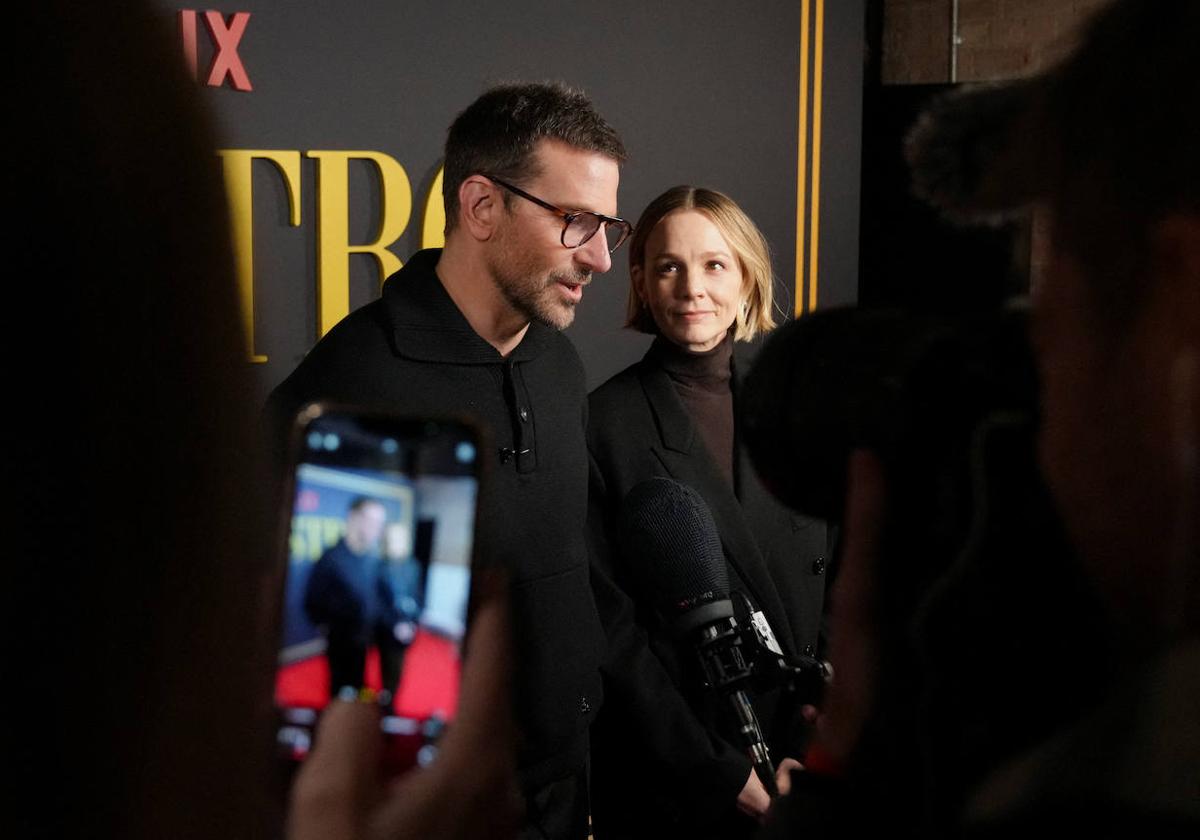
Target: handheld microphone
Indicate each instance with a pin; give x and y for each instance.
(670, 536)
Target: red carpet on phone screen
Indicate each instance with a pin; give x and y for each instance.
(428, 682)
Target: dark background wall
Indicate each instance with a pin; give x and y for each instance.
(702, 92)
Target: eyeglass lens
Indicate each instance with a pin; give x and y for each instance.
(584, 226)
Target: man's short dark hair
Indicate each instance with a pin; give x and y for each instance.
(498, 132)
(360, 502)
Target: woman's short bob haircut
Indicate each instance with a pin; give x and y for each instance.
(743, 236)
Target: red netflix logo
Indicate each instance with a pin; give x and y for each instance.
(225, 35)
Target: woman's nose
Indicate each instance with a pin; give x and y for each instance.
(688, 284)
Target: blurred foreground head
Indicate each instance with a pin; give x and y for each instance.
(1107, 145)
(140, 658)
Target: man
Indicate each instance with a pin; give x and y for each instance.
(530, 189)
(349, 594)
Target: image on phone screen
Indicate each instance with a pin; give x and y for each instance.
(378, 575)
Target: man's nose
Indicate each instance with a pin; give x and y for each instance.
(594, 255)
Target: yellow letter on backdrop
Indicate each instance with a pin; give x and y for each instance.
(238, 185)
(433, 231)
(333, 227)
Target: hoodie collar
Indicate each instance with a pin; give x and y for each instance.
(426, 326)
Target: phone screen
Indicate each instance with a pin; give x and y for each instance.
(378, 575)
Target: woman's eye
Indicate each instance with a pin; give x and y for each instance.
(716, 265)
(667, 268)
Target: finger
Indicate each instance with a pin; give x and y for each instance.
(485, 698)
(783, 774)
(470, 789)
(339, 779)
(346, 731)
(754, 799)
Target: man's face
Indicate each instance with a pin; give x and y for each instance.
(536, 275)
(364, 527)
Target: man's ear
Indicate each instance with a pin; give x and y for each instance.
(480, 206)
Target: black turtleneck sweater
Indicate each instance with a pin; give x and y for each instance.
(702, 381)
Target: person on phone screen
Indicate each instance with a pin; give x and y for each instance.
(349, 594)
(407, 579)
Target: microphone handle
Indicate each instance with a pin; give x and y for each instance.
(725, 670)
(752, 738)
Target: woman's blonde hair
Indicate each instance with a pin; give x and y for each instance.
(749, 248)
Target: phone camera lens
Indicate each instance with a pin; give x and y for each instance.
(465, 453)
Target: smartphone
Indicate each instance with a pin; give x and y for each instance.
(379, 538)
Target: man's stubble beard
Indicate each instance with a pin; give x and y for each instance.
(530, 289)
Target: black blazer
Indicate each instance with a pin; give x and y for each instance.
(660, 763)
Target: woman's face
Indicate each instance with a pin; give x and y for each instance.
(690, 279)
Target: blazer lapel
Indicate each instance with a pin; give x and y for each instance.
(685, 458)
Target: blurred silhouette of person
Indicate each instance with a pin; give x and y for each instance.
(406, 576)
(143, 710)
(349, 594)
(1105, 145)
(1115, 334)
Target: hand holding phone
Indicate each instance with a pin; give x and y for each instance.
(379, 536)
(469, 792)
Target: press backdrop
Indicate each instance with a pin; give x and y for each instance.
(333, 115)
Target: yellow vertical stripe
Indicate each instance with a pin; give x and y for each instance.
(802, 154)
(814, 227)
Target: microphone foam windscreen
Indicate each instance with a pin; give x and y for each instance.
(671, 540)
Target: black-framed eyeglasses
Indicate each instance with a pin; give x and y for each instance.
(578, 225)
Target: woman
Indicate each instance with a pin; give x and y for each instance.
(663, 765)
